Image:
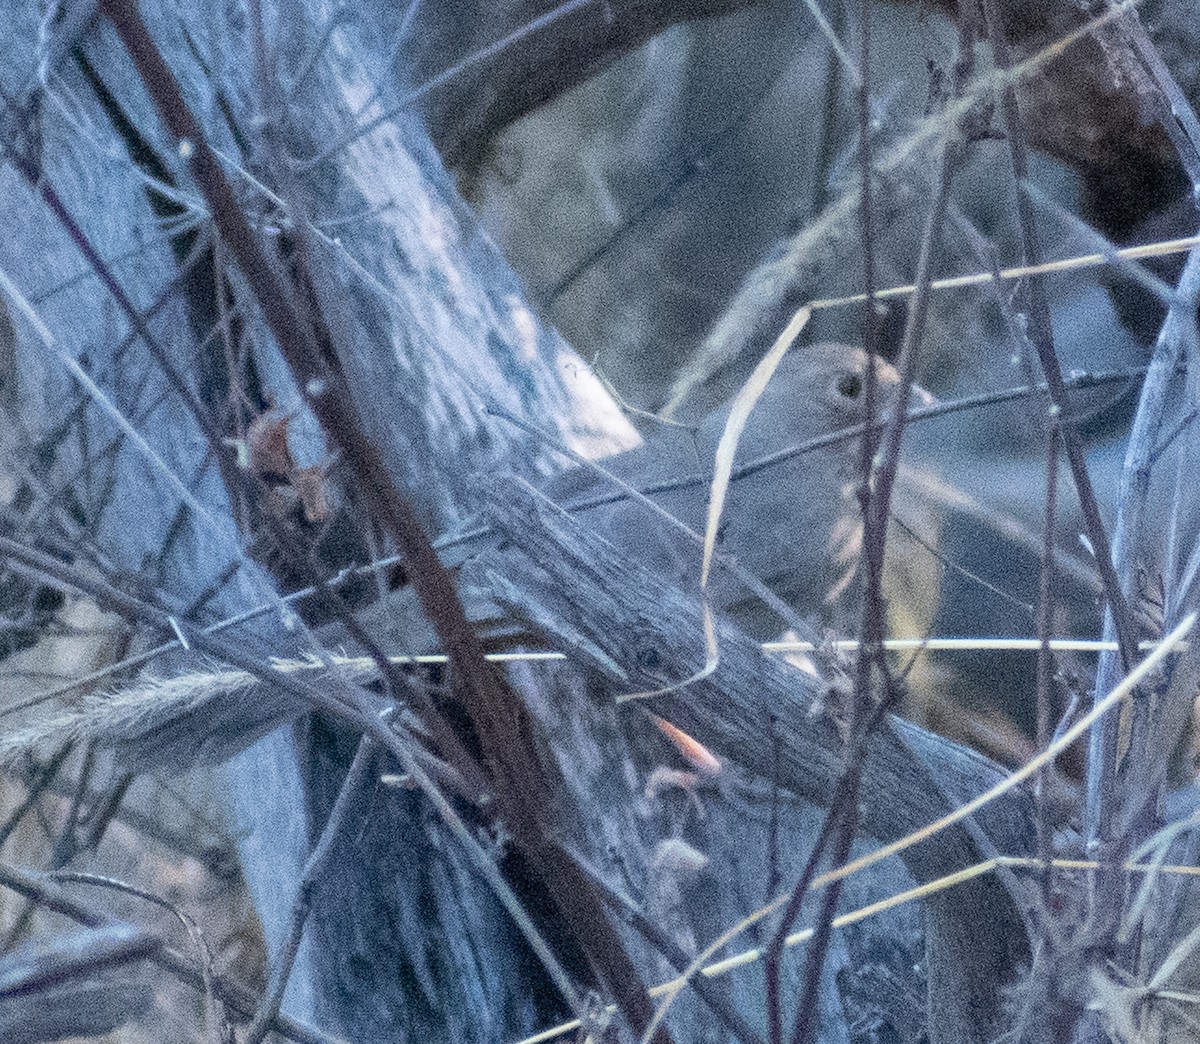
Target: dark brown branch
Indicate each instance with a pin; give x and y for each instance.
(517, 70)
(1042, 337)
(523, 785)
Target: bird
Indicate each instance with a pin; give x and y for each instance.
(795, 524)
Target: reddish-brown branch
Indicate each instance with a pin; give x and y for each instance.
(523, 785)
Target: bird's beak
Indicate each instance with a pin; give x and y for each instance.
(920, 398)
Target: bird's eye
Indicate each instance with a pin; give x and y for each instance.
(849, 386)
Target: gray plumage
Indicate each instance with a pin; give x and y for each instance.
(795, 524)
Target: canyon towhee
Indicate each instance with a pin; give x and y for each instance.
(794, 524)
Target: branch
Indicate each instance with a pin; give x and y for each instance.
(534, 51)
(648, 635)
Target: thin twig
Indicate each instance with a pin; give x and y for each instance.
(45, 777)
(1045, 661)
(771, 956)
(879, 478)
(1177, 117)
(1042, 336)
(843, 823)
(237, 996)
(691, 167)
(214, 1016)
(629, 911)
(314, 870)
(1110, 808)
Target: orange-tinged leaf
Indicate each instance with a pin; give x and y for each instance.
(693, 751)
